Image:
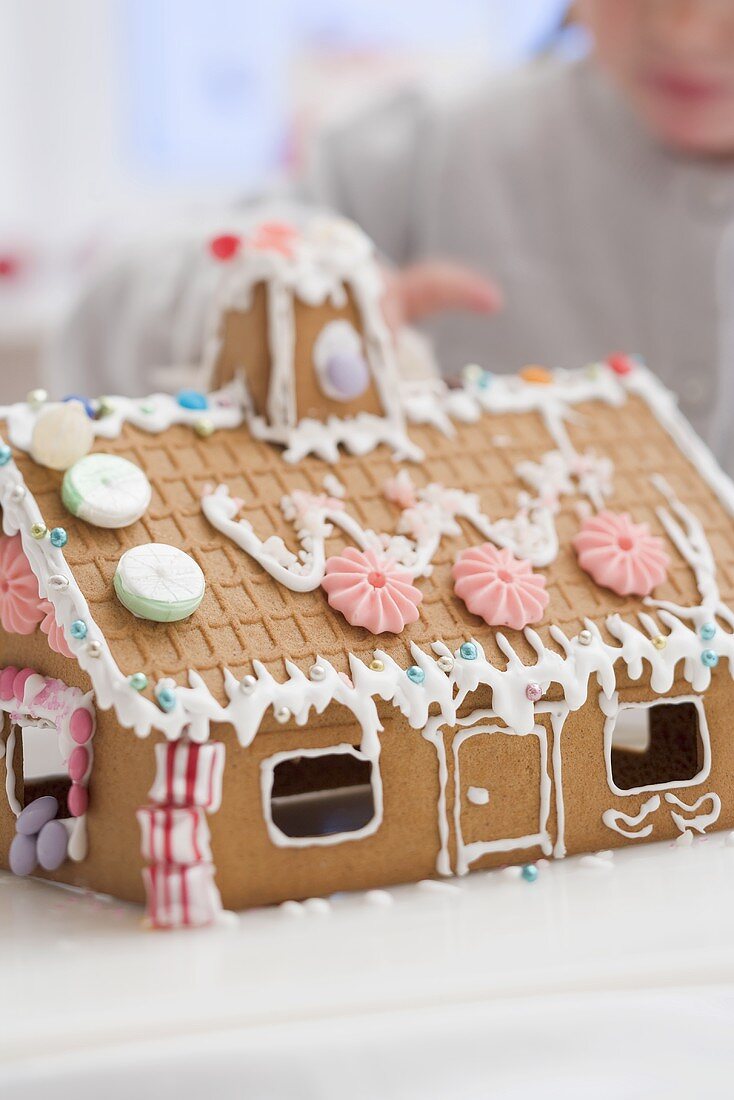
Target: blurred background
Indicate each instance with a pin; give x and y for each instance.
(116, 113)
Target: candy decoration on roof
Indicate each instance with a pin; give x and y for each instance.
(275, 236)
(106, 490)
(621, 364)
(371, 591)
(20, 608)
(536, 375)
(159, 582)
(621, 555)
(500, 588)
(225, 247)
(63, 433)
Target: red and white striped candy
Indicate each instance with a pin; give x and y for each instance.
(181, 896)
(189, 775)
(171, 834)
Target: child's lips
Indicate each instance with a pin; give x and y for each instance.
(685, 88)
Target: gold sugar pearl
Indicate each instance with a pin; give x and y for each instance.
(377, 665)
(659, 642)
(204, 428)
(39, 531)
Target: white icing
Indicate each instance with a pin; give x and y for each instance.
(616, 819)
(466, 854)
(701, 821)
(478, 796)
(267, 774)
(152, 414)
(612, 711)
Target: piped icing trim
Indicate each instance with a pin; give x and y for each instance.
(580, 659)
(156, 413)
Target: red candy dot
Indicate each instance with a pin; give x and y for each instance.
(80, 725)
(78, 764)
(224, 247)
(7, 677)
(20, 681)
(620, 364)
(77, 800)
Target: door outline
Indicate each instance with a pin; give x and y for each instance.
(466, 854)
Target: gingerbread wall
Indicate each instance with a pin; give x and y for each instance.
(245, 346)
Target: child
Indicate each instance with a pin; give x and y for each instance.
(591, 198)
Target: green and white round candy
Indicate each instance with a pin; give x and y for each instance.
(106, 490)
(159, 582)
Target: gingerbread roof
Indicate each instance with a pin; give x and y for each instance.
(248, 616)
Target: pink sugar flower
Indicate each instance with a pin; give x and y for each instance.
(274, 236)
(55, 632)
(371, 591)
(621, 555)
(500, 588)
(20, 610)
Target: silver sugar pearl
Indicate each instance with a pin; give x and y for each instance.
(17, 493)
(94, 649)
(248, 685)
(58, 582)
(282, 715)
(446, 663)
(585, 637)
(317, 672)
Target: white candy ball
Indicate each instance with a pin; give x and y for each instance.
(61, 436)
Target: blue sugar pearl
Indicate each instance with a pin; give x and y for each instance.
(139, 681)
(89, 408)
(710, 658)
(59, 537)
(529, 872)
(417, 675)
(485, 380)
(468, 651)
(166, 699)
(192, 399)
(708, 630)
(78, 629)
(5, 454)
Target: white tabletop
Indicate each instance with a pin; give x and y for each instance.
(612, 973)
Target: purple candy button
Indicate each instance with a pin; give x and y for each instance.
(347, 376)
(22, 857)
(51, 846)
(32, 819)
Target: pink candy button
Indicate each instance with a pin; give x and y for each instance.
(78, 764)
(7, 677)
(80, 724)
(19, 682)
(77, 800)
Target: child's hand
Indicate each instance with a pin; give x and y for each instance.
(425, 288)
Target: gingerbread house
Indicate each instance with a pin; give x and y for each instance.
(278, 650)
